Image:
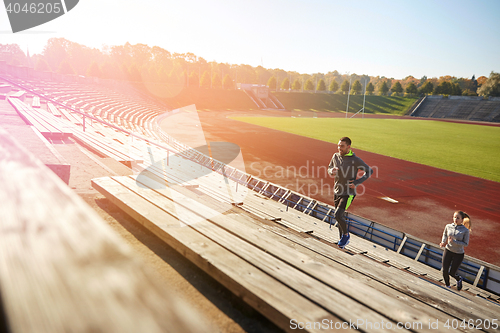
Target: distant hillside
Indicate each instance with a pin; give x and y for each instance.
(332, 102)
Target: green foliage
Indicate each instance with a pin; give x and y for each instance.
(194, 80)
(468, 92)
(205, 80)
(407, 139)
(65, 68)
(41, 65)
(133, 74)
(227, 83)
(443, 88)
(285, 84)
(491, 87)
(397, 88)
(334, 86)
(344, 86)
(427, 88)
(93, 70)
(321, 85)
(383, 88)
(212, 99)
(411, 89)
(296, 85)
(309, 85)
(356, 88)
(271, 83)
(216, 81)
(16, 55)
(370, 88)
(456, 90)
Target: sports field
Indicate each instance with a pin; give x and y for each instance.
(464, 148)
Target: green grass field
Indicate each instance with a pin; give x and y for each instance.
(463, 148)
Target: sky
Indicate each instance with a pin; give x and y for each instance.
(377, 38)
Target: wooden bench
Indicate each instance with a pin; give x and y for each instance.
(21, 95)
(36, 102)
(54, 110)
(292, 271)
(49, 128)
(55, 278)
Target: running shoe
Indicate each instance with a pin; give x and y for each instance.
(459, 283)
(344, 241)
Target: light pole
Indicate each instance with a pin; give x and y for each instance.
(348, 95)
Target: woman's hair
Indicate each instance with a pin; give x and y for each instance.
(466, 219)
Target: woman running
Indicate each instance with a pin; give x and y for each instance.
(455, 238)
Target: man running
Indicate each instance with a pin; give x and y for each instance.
(344, 166)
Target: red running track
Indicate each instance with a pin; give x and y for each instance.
(426, 196)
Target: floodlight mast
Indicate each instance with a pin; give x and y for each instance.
(364, 98)
(348, 95)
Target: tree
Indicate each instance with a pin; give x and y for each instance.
(345, 86)
(473, 84)
(227, 83)
(456, 90)
(56, 51)
(321, 85)
(356, 87)
(216, 82)
(134, 75)
(271, 83)
(383, 88)
(94, 70)
(397, 88)
(427, 88)
(411, 89)
(65, 68)
(334, 86)
(370, 88)
(42, 66)
(15, 54)
(309, 85)
(194, 80)
(491, 87)
(285, 84)
(444, 88)
(205, 80)
(296, 85)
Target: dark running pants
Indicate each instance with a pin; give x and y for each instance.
(342, 202)
(453, 259)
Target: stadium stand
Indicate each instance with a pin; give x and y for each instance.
(271, 246)
(459, 107)
(54, 277)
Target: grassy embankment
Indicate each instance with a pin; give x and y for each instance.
(463, 148)
(338, 103)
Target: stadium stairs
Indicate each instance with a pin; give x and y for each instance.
(459, 107)
(270, 246)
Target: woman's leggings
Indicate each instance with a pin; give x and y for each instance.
(453, 259)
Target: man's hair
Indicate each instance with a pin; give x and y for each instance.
(346, 140)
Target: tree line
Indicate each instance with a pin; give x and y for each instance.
(142, 63)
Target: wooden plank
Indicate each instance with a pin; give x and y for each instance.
(313, 289)
(478, 276)
(36, 102)
(54, 110)
(422, 247)
(274, 300)
(54, 277)
(303, 260)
